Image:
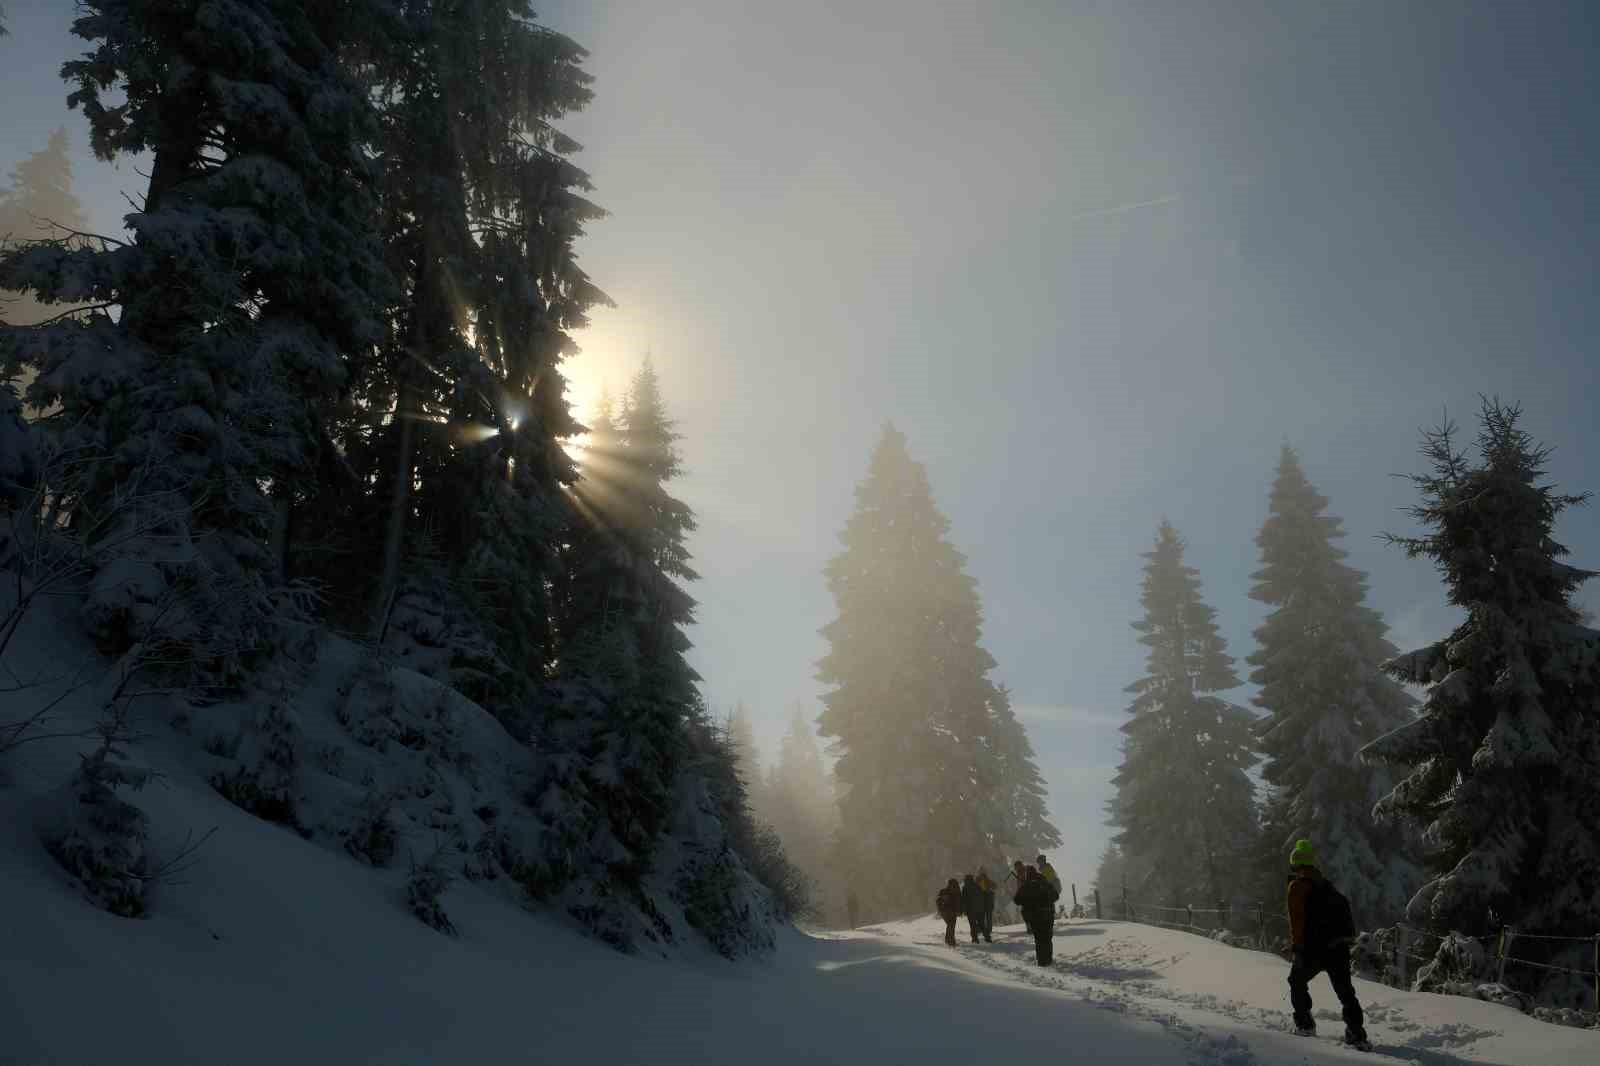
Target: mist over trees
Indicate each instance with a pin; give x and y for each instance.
(910, 707)
(1184, 805)
(1473, 812)
(1318, 670)
(314, 395)
(796, 798)
(38, 204)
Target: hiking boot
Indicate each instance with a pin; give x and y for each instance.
(1305, 1028)
(1357, 1038)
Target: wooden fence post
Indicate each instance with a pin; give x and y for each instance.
(1507, 935)
(1261, 924)
(1403, 950)
(1097, 903)
(1189, 910)
(1597, 978)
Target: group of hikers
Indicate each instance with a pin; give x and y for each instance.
(1037, 889)
(1321, 928)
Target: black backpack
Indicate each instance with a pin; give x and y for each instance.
(1329, 919)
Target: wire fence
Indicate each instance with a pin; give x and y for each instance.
(1250, 926)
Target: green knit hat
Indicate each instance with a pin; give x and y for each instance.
(1302, 855)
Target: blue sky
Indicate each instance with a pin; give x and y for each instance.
(1097, 260)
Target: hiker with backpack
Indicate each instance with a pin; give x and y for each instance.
(949, 905)
(972, 906)
(1048, 872)
(1321, 930)
(1037, 899)
(986, 885)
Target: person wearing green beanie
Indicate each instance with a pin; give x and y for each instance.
(1321, 930)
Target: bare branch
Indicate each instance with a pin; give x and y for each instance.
(181, 861)
(74, 310)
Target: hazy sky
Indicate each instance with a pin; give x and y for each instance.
(1097, 260)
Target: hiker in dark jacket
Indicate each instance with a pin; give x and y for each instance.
(1320, 933)
(949, 904)
(986, 883)
(972, 906)
(1037, 901)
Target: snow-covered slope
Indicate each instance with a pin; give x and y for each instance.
(280, 951)
(276, 949)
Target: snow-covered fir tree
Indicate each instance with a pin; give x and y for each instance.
(797, 801)
(1318, 667)
(909, 700)
(1111, 876)
(453, 429)
(1503, 764)
(342, 311)
(199, 375)
(38, 205)
(625, 694)
(740, 732)
(1184, 805)
(1024, 797)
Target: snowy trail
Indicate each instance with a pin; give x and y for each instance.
(278, 951)
(1231, 1006)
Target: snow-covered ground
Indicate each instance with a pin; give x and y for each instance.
(278, 951)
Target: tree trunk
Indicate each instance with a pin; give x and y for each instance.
(399, 499)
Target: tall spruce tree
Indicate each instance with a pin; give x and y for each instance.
(740, 733)
(909, 699)
(253, 270)
(1184, 805)
(624, 695)
(1504, 761)
(1023, 797)
(1109, 876)
(40, 204)
(797, 801)
(1318, 664)
(453, 431)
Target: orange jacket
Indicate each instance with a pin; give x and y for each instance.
(1299, 891)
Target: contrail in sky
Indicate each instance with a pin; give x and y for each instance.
(1122, 208)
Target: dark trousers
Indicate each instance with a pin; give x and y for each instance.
(1043, 928)
(988, 920)
(1335, 962)
(950, 928)
(975, 925)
